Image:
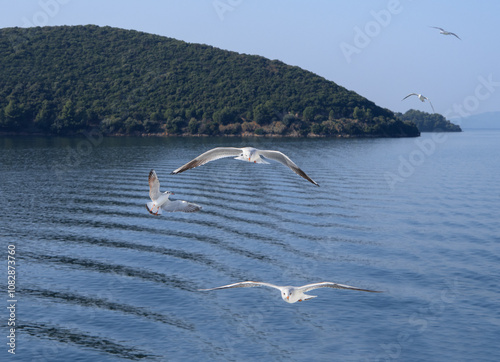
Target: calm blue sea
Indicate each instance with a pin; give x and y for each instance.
(100, 279)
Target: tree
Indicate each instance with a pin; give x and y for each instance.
(151, 126)
(132, 125)
(308, 113)
(368, 115)
(331, 115)
(175, 125)
(358, 113)
(45, 115)
(225, 116)
(156, 116)
(169, 114)
(328, 128)
(278, 128)
(193, 126)
(262, 114)
(288, 119)
(67, 116)
(13, 115)
(316, 128)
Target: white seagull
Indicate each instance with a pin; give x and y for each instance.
(248, 154)
(444, 32)
(292, 294)
(160, 201)
(422, 98)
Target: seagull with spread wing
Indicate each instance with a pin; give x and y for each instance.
(444, 32)
(248, 154)
(422, 98)
(160, 201)
(292, 294)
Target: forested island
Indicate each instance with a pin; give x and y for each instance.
(65, 80)
(427, 122)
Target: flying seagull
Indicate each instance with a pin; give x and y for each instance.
(444, 32)
(248, 154)
(422, 98)
(292, 294)
(160, 201)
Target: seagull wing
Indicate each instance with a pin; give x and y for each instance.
(180, 206)
(154, 185)
(455, 35)
(312, 286)
(433, 111)
(411, 94)
(247, 284)
(435, 27)
(283, 159)
(212, 155)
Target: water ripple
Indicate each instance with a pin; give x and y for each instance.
(80, 338)
(171, 281)
(86, 301)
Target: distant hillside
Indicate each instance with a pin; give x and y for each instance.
(487, 120)
(63, 80)
(427, 122)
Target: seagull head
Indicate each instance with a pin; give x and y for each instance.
(248, 154)
(286, 294)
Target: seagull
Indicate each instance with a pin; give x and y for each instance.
(248, 154)
(161, 202)
(422, 98)
(444, 32)
(292, 294)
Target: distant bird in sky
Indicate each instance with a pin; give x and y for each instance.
(292, 294)
(160, 201)
(444, 32)
(248, 154)
(421, 97)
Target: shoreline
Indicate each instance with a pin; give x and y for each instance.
(165, 135)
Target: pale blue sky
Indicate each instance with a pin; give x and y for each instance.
(382, 50)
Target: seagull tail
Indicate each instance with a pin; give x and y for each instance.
(307, 297)
(153, 210)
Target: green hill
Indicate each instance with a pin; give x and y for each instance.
(427, 122)
(67, 79)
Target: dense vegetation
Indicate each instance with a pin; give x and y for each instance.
(427, 122)
(64, 80)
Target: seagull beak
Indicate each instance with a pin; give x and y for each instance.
(288, 297)
(172, 193)
(248, 159)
